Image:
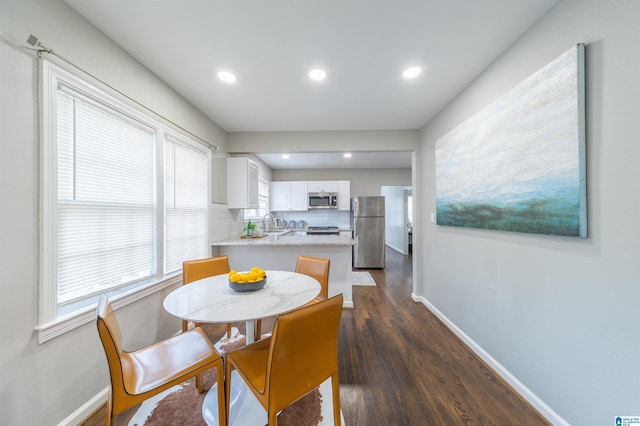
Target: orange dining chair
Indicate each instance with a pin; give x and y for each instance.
(139, 375)
(193, 270)
(318, 268)
(315, 267)
(300, 354)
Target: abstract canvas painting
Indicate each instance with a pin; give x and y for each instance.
(519, 163)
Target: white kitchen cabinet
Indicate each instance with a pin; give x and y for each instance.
(279, 196)
(344, 195)
(289, 196)
(299, 196)
(242, 183)
(322, 186)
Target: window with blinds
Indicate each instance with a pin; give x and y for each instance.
(125, 199)
(263, 202)
(185, 204)
(106, 209)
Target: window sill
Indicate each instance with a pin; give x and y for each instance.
(71, 321)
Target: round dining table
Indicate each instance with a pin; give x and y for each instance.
(211, 300)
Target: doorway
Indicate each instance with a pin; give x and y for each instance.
(398, 218)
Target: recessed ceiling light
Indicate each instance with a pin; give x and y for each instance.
(317, 74)
(285, 156)
(412, 72)
(227, 77)
(347, 155)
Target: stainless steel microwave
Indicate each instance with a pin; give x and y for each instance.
(323, 200)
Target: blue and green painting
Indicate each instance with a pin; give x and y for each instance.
(518, 164)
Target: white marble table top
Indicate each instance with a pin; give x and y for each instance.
(211, 299)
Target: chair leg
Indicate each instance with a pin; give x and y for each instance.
(110, 418)
(227, 387)
(222, 391)
(273, 419)
(199, 383)
(335, 386)
(228, 330)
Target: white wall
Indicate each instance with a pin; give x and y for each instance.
(560, 314)
(43, 384)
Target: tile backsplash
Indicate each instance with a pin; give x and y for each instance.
(318, 217)
(225, 223)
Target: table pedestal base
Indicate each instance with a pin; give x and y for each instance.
(245, 409)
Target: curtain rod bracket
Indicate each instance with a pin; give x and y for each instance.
(33, 41)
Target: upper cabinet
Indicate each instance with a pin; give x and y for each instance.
(279, 196)
(294, 195)
(242, 183)
(323, 186)
(344, 195)
(299, 196)
(289, 196)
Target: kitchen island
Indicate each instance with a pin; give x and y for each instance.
(280, 251)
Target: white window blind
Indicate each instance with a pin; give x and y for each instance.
(105, 198)
(185, 205)
(124, 201)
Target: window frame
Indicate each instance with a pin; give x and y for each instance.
(262, 197)
(50, 323)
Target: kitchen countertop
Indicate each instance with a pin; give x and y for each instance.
(293, 237)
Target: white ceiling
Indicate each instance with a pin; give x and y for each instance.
(336, 160)
(364, 45)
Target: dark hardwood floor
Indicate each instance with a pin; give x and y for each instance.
(400, 365)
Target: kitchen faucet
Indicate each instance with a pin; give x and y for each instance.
(264, 223)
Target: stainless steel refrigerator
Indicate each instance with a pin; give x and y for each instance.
(367, 221)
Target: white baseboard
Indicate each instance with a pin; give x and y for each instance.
(87, 409)
(524, 391)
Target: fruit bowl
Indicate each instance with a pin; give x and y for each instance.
(251, 280)
(243, 287)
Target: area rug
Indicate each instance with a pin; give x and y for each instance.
(362, 278)
(182, 404)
